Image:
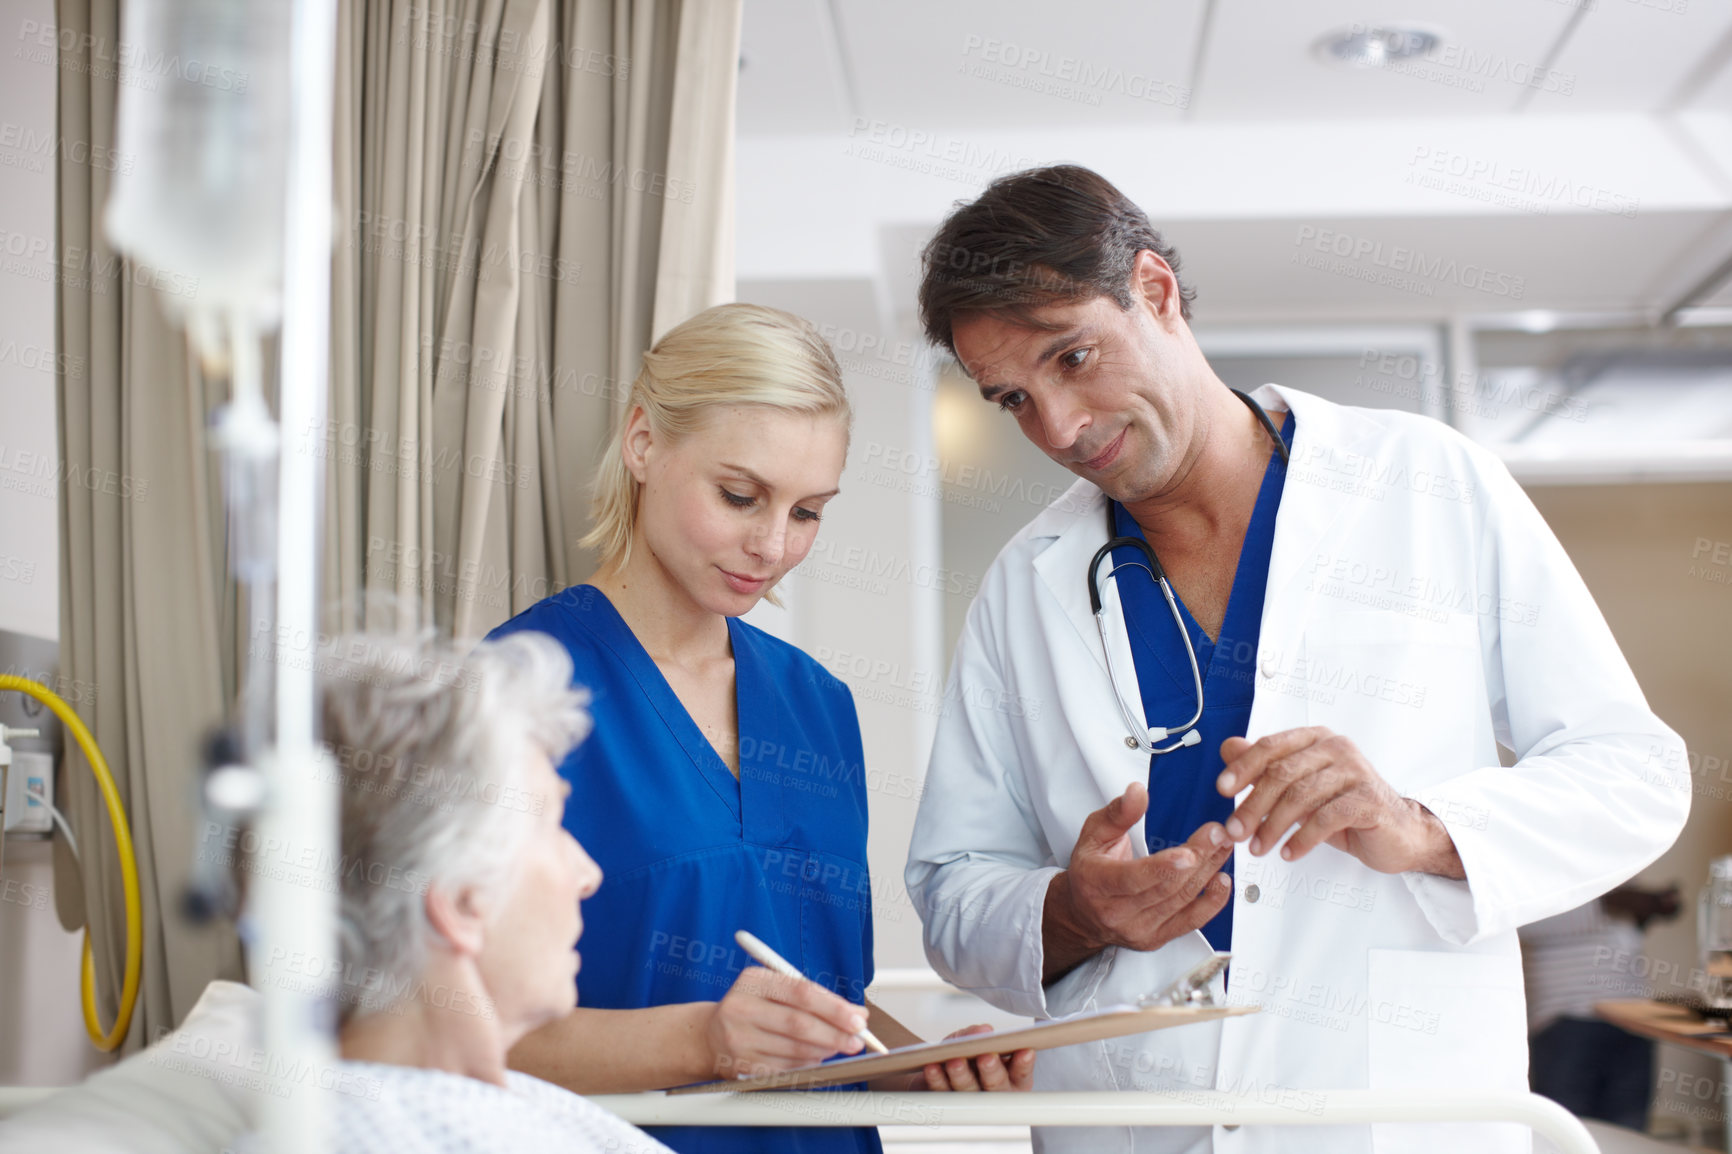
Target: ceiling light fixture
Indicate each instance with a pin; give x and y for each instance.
(1369, 46)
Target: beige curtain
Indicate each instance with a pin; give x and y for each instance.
(146, 608)
(533, 190)
(528, 191)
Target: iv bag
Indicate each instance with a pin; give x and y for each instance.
(204, 124)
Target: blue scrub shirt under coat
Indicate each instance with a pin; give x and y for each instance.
(1182, 793)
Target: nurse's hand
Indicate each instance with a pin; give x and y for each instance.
(1319, 780)
(767, 1023)
(1110, 897)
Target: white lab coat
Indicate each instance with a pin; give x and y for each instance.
(1419, 605)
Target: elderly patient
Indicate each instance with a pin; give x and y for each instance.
(448, 778)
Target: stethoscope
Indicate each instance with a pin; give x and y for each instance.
(1187, 730)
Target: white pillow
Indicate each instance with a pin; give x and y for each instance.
(196, 1089)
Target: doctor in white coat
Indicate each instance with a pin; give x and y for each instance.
(1419, 613)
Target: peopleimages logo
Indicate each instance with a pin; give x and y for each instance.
(1066, 77)
(27, 148)
(1398, 265)
(930, 153)
(1515, 186)
(129, 63)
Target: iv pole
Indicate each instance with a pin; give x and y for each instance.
(301, 795)
(233, 193)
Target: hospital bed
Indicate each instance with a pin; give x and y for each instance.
(985, 1115)
(199, 1086)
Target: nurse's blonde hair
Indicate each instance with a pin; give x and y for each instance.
(732, 354)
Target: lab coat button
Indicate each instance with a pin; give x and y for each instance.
(1267, 666)
(1252, 893)
(1130, 742)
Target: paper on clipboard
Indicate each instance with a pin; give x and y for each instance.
(1091, 1026)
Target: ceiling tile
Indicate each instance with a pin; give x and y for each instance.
(1715, 93)
(979, 64)
(788, 81)
(1631, 55)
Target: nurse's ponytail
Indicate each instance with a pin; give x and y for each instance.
(733, 354)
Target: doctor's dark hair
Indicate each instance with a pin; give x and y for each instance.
(729, 355)
(1040, 237)
(431, 742)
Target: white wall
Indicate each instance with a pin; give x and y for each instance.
(42, 1039)
(29, 562)
(865, 603)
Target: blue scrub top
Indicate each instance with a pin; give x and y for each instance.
(689, 855)
(1182, 794)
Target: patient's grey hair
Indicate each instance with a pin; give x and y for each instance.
(431, 742)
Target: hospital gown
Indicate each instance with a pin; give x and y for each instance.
(381, 1109)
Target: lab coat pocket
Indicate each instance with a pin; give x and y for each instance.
(1408, 691)
(1443, 1019)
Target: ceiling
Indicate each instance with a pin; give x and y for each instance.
(1579, 154)
(815, 65)
(1552, 165)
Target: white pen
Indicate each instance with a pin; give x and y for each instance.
(771, 960)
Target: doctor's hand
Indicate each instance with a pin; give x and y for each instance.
(1110, 897)
(1013, 1071)
(1318, 780)
(767, 1023)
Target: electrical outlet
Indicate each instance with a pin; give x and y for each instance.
(29, 792)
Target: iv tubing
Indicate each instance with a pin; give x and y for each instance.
(128, 871)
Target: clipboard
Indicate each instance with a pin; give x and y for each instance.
(1185, 1002)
